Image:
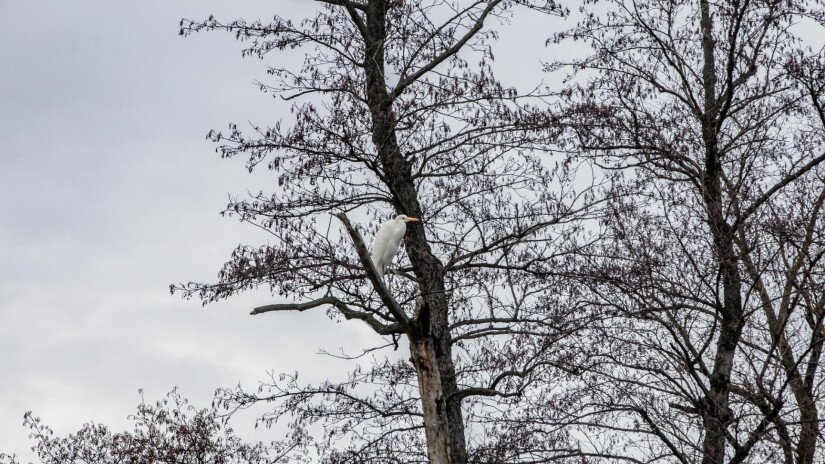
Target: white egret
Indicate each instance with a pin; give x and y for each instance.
(387, 241)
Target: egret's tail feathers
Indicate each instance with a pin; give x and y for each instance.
(379, 267)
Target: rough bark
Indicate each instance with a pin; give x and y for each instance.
(432, 354)
(717, 415)
(432, 400)
(809, 429)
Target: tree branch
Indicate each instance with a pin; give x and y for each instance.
(406, 81)
(348, 313)
(779, 186)
(327, 300)
(378, 283)
(345, 3)
(356, 19)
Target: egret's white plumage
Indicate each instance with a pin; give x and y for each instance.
(387, 241)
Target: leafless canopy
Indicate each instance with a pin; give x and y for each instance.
(709, 280)
(671, 311)
(397, 111)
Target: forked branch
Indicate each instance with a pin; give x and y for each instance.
(348, 313)
(377, 282)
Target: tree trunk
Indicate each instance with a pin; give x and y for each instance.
(431, 349)
(808, 413)
(809, 427)
(717, 414)
(432, 400)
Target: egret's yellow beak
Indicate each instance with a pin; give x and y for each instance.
(412, 219)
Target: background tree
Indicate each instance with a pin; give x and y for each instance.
(169, 431)
(708, 284)
(397, 111)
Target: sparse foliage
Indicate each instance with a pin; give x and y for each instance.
(170, 431)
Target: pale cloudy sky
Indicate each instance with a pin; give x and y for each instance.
(109, 193)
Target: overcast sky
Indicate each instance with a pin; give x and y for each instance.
(110, 193)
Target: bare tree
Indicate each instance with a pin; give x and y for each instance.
(709, 281)
(397, 111)
(169, 431)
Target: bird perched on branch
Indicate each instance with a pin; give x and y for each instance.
(387, 241)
